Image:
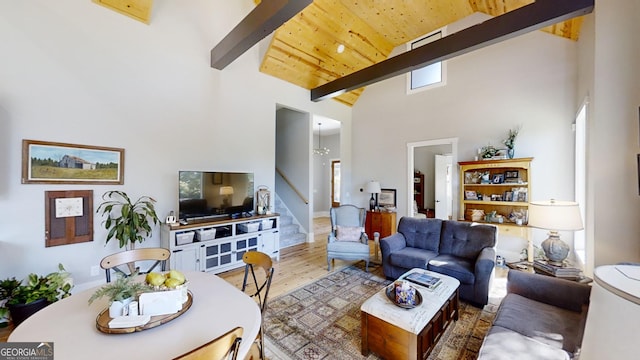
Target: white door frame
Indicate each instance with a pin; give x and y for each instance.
(410, 166)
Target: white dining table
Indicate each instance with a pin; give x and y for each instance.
(70, 324)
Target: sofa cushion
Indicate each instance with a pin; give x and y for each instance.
(545, 323)
(505, 344)
(466, 240)
(421, 233)
(410, 258)
(348, 247)
(459, 268)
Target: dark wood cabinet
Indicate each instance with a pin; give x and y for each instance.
(382, 222)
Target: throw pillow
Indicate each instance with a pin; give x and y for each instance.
(348, 233)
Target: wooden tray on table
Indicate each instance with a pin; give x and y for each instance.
(102, 321)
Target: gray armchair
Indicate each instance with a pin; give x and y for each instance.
(347, 239)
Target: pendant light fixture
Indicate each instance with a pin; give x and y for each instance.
(320, 150)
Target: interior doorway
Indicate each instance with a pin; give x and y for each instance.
(326, 176)
(443, 186)
(422, 156)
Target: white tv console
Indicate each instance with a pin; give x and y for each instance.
(233, 237)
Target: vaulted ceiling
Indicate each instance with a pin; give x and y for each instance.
(303, 51)
(304, 46)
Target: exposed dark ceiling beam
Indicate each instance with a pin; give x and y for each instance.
(531, 17)
(261, 21)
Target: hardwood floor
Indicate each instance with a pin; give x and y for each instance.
(298, 265)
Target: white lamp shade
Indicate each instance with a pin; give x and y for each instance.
(555, 215)
(226, 190)
(373, 187)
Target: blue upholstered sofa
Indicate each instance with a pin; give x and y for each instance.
(463, 250)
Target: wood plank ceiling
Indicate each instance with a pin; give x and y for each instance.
(303, 51)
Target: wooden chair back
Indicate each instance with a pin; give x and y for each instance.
(258, 260)
(221, 348)
(255, 260)
(130, 257)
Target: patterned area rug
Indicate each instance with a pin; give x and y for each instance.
(322, 320)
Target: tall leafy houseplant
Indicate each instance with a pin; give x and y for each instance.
(127, 221)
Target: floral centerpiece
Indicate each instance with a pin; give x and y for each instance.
(120, 293)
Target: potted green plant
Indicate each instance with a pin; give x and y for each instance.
(120, 293)
(489, 151)
(127, 221)
(6, 289)
(24, 298)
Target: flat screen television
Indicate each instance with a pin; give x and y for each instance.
(207, 195)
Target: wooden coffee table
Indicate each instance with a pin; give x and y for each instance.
(397, 333)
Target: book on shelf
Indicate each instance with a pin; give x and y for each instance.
(428, 281)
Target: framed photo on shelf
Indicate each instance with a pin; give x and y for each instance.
(508, 196)
(387, 198)
(498, 178)
(513, 174)
(522, 196)
(470, 195)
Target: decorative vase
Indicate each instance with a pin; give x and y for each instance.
(20, 312)
(117, 307)
(511, 152)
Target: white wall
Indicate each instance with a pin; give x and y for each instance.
(610, 54)
(529, 81)
(76, 72)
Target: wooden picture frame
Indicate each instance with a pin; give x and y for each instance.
(470, 195)
(512, 174)
(68, 217)
(46, 162)
(387, 198)
(217, 178)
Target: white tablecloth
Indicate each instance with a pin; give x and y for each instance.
(412, 320)
(71, 325)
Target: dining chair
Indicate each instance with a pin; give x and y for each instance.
(223, 347)
(258, 260)
(129, 258)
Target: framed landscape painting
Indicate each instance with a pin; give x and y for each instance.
(58, 163)
(387, 198)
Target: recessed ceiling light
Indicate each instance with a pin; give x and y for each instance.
(340, 48)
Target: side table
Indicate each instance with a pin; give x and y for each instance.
(528, 267)
(381, 222)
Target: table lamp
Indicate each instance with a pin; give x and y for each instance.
(373, 187)
(554, 215)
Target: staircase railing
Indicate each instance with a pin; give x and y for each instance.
(293, 187)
